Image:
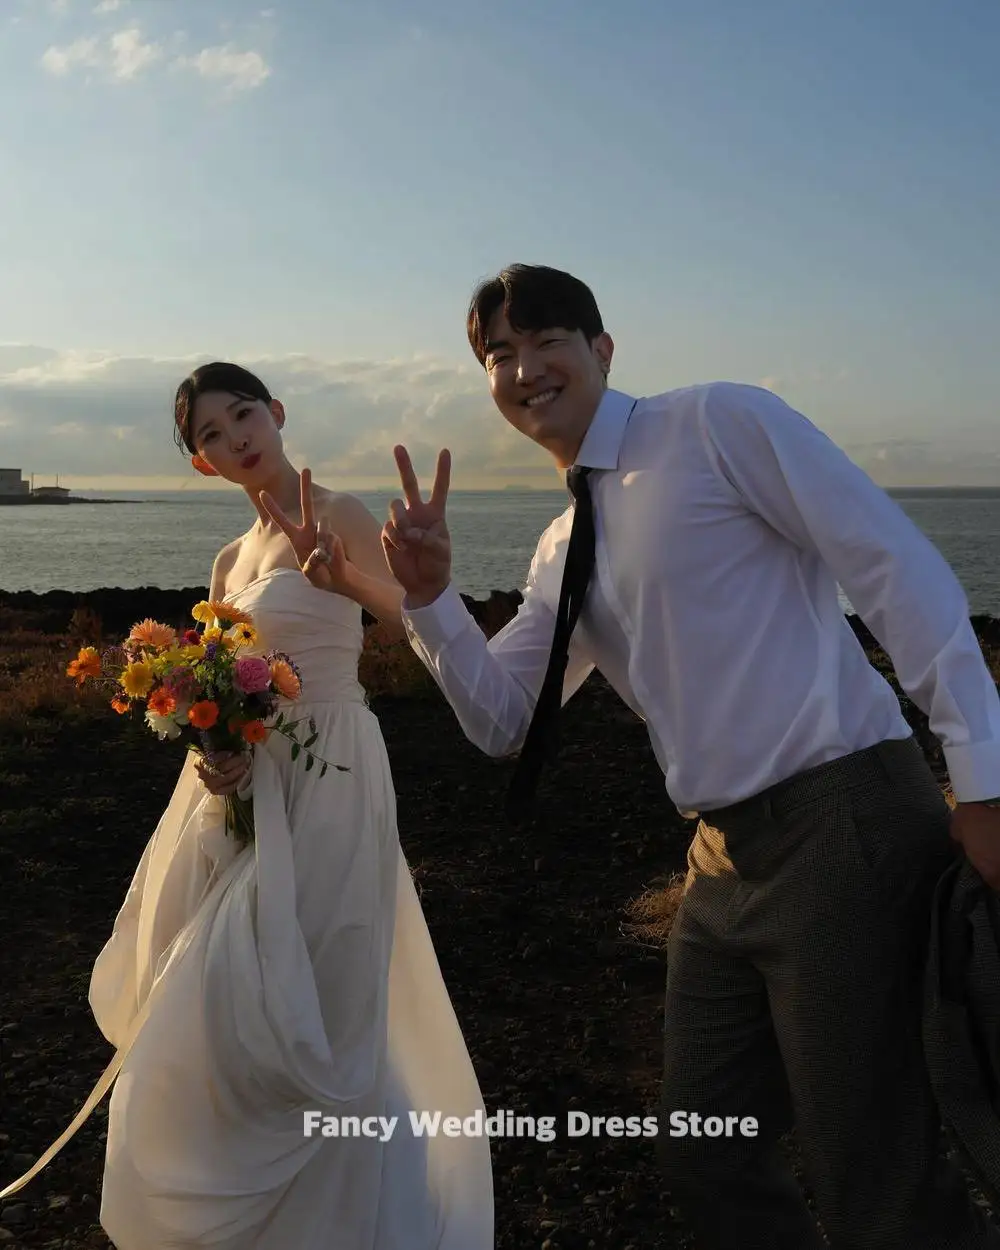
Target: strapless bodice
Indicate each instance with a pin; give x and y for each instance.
(321, 632)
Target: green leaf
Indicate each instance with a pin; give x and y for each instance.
(312, 723)
(322, 771)
(309, 741)
(280, 721)
(310, 761)
(296, 748)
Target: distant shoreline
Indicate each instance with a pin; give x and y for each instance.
(141, 494)
(16, 501)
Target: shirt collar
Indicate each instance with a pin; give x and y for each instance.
(602, 442)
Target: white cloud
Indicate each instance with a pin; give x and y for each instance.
(235, 70)
(122, 56)
(129, 55)
(24, 355)
(66, 411)
(125, 55)
(82, 52)
(110, 6)
(82, 414)
(969, 457)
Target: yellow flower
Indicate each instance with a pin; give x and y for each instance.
(212, 635)
(195, 651)
(203, 612)
(137, 679)
(244, 634)
(175, 655)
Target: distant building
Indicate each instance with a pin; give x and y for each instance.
(51, 492)
(12, 483)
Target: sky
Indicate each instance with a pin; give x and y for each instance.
(797, 194)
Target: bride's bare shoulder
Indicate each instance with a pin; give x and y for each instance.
(340, 507)
(222, 567)
(324, 497)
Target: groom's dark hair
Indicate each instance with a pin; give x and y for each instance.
(206, 379)
(533, 297)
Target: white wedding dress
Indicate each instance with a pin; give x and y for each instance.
(296, 975)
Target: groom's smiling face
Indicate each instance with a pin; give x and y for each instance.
(547, 383)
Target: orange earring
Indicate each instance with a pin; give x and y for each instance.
(203, 467)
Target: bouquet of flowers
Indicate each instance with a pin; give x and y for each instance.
(196, 685)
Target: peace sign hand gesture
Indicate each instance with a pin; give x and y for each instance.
(415, 539)
(318, 550)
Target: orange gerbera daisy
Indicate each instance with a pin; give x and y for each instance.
(254, 731)
(87, 664)
(152, 634)
(227, 615)
(285, 681)
(162, 702)
(119, 704)
(203, 714)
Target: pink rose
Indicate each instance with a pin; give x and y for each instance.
(180, 682)
(253, 675)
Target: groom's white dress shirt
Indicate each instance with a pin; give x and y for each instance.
(725, 521)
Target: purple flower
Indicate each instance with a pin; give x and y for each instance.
(253, 674)
(210, 650)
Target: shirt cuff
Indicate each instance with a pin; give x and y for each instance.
(974, 771)
(439, 622)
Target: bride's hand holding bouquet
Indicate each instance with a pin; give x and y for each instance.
(196, 685)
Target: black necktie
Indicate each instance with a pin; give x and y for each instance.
(542, 736)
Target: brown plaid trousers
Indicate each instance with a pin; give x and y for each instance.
(794, 995)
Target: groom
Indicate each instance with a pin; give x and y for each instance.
(697, 568)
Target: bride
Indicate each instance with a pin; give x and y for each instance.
(292, 983)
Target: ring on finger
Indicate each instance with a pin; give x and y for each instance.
(319, 555)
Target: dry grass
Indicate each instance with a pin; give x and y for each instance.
(651, 915)
(392, 668)
(33, 681)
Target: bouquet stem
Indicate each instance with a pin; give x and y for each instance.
(239, 819)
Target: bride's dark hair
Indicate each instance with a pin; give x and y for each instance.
(220, 375)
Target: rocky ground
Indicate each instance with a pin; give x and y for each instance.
(561, 1005)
